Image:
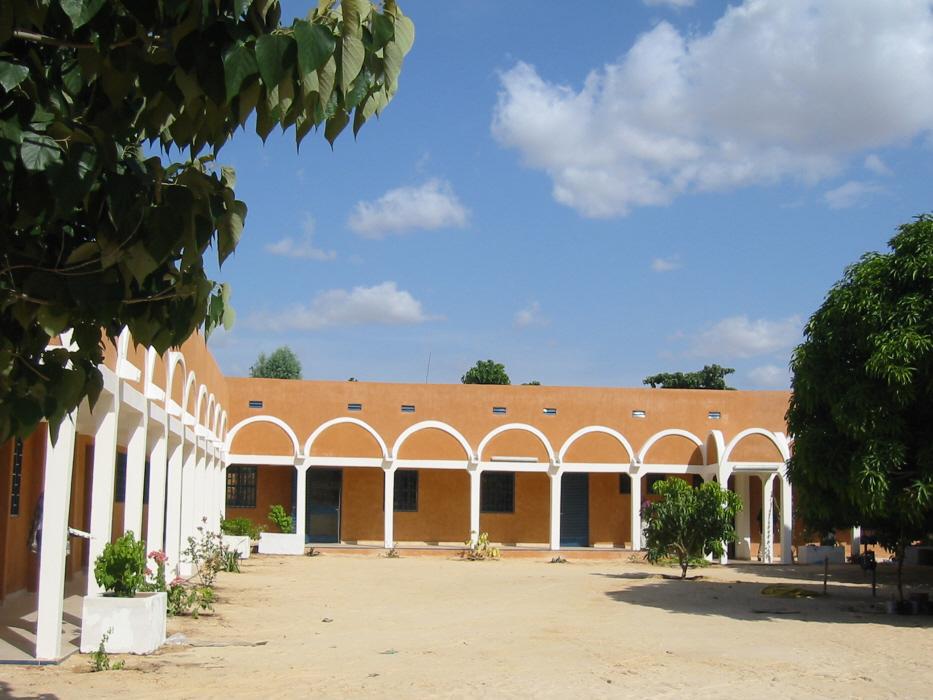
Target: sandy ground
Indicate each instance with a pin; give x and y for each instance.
(351, 625)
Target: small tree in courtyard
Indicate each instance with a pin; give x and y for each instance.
(486, 372)
(689, 523)
(280, 364)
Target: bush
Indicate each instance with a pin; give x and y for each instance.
(240, 527)
(120, 569)
(480, 549)
(189, 600)
(281, 519)
(207, 554)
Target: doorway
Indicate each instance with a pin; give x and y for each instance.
(322, 523)
(575, 510)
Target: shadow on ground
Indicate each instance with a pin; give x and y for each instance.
(6, 691)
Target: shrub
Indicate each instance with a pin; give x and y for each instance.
(281, 519)
(189, 600)
(240, 527)
(480, 549)
(100, 659)
(206, 552)
(120, 568)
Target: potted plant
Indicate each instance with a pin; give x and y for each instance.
(285, 541)
(125, 619)
(238, 534)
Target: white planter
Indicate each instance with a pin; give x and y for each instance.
(237, 543)
(281, 543)
(817, 554)
(918, 555)
(134, 625)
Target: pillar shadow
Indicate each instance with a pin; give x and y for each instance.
(6, 691)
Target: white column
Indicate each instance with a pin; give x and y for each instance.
(200, 488)
(155, 522)
(187, 493)
(743, 531)
(135, 477)
(722, 475)
(474, 504)
(59, 460)
(787, 522)
(636, 511)
(555, 510)
(388, 505)
(767, 514)
(213, 489)
(856, 548)
(301, 498)
(105, 450)
(173, 506)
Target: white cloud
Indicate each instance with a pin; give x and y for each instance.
(430, 206)
(669, 3)
(665, 264)
(530, 316)
(851, 194)
(383, 304)
(874, 164)
(777, 89)
(740, 337)
(303, 247)
(770, 376)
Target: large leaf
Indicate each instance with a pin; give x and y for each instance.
(80, 12)
(271, 52)
(315, 45)
(12, 75)
(352, 56)
(39, 152)
(239, 64)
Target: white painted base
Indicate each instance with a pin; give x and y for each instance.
(280, 543)
(816, 554)
(918, 555)
(134, 625)
(238, 543)
(185, 569)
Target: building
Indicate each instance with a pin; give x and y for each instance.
(173, 443)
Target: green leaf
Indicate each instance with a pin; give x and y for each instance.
(12, 75)
(383, 31)
(271, 51)
(228, 176)
(335, 125)
(240, 7)
(248, 99)
(404, 33)
(52, 320)
(315, 45)
(239, 64)
(352, 56)
(138, 261)
(229, 230)
(38, 152)
(80, 12)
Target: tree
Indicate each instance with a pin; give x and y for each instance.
(486, 372)
(281, 363)
(710, 377)
(689, 523)
(95, 235)
(533, 382)
(862, 397)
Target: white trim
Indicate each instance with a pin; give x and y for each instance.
(430, 464)
(781, 445)
(596, 429)
(228, 443)
(202, 394)
(266, 460)
(435, 425)
(515, 426)
(666, 433)
(338, 421)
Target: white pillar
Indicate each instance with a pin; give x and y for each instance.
(555, 510)
(787, 522)
(856, 541)
(173, 505)
(767, 515)
(636, 511)
(388, 505)
(743, 531)
(105, 451)
(187, 494)
(59, 461)
(722, 475)
(474, 504)
(155, 522)
(301, 496)
(135, 477)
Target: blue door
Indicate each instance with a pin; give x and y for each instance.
(323, 505)
(575, 510)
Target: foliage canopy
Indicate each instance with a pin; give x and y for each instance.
(486, 372)
(689, 523)
(862, 401)
(120, 569)
(710, 377)
(281, 363)
(94, 235)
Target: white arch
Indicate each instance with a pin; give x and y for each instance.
(123, 345)
(215, 421)
(223, 426)
(720, 443)
(516, 426)
(174, 359)
(780, 444)
(189, 384)
(665, 433)
(209, 414)
(260, 419)
(151, 358)
(199, 404)
(596, 429)
(345, 419)
(436, 425)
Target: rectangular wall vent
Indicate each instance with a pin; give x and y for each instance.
(499, 410)
(354, 407)
(637, 413)
(408, 408)
(253, 403)
(714, 415)
(550, 411)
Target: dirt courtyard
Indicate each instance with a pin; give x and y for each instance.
(350, 625)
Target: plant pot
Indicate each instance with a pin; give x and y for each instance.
(133, 625)
(281, 543)
(817, 554)
(237, 543)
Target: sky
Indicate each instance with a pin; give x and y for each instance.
(589, 192)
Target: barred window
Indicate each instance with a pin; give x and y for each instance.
(497, 492)
(17, 476)
(406, 491)
(625, 483)
(119, 479)
(241, 487)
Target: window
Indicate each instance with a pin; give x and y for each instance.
(638, 413)
(497, 492)
(255, 403)
(354, 407)
(119, 479)
(550, 411)
(499, 410)
(714, 415)
(406, 491)
(17, 476)
(408, 408)
(651, 480)
(241, 487)
(146, 484)
(697, 481)
(625, 483)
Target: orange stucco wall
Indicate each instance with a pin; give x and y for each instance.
(273, 486)
(610, 511)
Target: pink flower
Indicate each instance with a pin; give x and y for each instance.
(158, 556)
(148, 571)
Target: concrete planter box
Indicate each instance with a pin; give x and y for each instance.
(816, 554)
(922, 555)
(237, 543)
(280, 543)
(135, 625)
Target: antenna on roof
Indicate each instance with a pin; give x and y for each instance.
(428, 370)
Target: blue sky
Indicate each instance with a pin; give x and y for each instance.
(589, 192)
